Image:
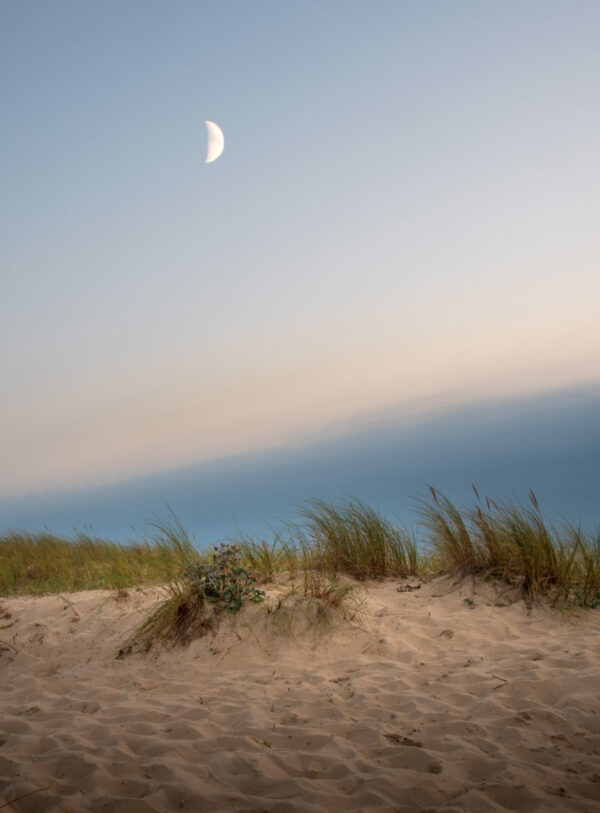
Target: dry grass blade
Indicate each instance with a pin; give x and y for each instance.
(316, 612)
(25, 796)
(448, 533)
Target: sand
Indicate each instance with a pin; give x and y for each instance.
(426, 702)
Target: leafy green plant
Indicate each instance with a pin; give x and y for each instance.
(589, 602)
(221, 579)
(217, 579)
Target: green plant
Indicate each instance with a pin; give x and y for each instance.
(448, 533)
(588, 549)
(37, 563)
(216, 579)
(221, 579)
(261, 558)
(351, 537)
(590, 602)
(514, 544)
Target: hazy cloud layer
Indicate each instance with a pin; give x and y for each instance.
(550, 443)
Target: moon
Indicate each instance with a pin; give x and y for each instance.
(216, 142)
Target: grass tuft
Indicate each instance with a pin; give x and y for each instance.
(315, 612)
(515, 544)
(351, 537)
(260, 557)
(330, 541)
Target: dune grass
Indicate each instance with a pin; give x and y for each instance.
(337, 542)
(515, 544)
(262, 557)
(336, 537)
(350, 537)
(331, 542)
(316, 610)
(38, 563)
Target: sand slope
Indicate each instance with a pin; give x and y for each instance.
(426, 703)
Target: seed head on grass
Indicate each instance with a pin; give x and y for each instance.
(515, 544)
(448, 533)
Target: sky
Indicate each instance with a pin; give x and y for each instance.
(504, 447)
(402, 227)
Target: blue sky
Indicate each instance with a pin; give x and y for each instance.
(405, 213)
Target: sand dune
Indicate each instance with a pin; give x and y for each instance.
(425, 702)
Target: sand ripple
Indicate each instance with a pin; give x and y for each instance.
(427, 703)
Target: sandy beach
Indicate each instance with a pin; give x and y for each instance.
(446, 697)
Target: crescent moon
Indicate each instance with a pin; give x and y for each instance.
(216, 142)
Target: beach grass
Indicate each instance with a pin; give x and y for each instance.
(37, 563)
(338, 537)
(317, 609)
(331, 541)
(350, 537)
(515, 544)
(262, 557)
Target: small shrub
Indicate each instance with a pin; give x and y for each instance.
(222, 580)
(217, 579)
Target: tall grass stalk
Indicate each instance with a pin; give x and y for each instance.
(587, 589)
(262, 557)
(514, 543)
(351, 537)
